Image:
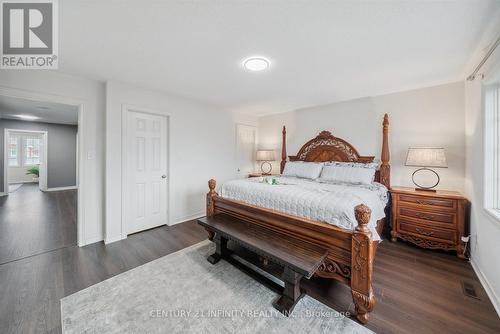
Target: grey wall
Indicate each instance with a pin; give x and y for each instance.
(61, 150)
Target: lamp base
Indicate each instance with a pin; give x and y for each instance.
(268, 170)
(422, 188)
(427, 190)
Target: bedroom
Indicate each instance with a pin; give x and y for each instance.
(163, 89)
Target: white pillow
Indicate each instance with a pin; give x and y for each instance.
(373, 165)
(347, 174)
(307, 170)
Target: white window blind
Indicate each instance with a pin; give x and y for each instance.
(31, 148)
(24, 149)
(13, 151)
(492, 147)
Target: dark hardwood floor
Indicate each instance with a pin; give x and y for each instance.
(417, 291)
(33, 222)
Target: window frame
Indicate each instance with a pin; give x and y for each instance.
(491, 108)
(18, 151)
(24, 145)
(22, 136)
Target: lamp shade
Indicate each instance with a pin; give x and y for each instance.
(265, 155)
(426, 157)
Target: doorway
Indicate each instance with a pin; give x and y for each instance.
(145, 170)
(25, 156)
(39, 177)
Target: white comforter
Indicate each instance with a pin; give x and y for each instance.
(330, 203)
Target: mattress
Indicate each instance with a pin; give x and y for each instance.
(331, 203)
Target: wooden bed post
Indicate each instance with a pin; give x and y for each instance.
(385, 168)
(283, 151)
(211, 204)
(362, 254)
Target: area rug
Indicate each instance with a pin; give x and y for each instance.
(183, 293)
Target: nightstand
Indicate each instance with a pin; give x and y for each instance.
(435, 220)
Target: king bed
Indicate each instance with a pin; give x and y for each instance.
(345, 218)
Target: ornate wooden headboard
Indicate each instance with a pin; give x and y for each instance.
(326, 147)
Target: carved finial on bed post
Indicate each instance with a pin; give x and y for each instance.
(283, 151)
(362, 254)
(362, 214)
(385, 167)
(211, 204)
(210, 197)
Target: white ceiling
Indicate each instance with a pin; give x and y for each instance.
(321, 51)
(46, 112)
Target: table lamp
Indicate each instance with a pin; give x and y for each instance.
(426, 157)
(265, 156)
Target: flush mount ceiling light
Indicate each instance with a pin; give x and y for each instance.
(27, 117)
(256, 64)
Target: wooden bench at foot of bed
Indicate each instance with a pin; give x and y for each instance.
(297, 259)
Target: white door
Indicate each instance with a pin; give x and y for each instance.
(146, 171)
(245, 149)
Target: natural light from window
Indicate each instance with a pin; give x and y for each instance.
(492, 148)
(24, 150)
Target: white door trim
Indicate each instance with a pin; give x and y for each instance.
(5, 155)
(82, 128)
(130, 108)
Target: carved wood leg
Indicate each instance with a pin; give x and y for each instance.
(460, 252)
(362, 265)
(211, 234)
(220, 250)
(291, 293)
(394, 236)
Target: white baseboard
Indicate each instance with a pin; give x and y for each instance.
(188, 217)
(487, 286)
(112, 239)
(92, 240)
(19, 182)
(109, 240)
(62, 188)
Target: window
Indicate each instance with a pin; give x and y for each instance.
(13, 151)
(492, 148)
(31, 149)
(24, 149)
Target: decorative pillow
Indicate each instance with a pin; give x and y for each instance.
(347, 174)
(307, 170)
(372, 165)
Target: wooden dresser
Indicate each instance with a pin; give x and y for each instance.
(434, 220)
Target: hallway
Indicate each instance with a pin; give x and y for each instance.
(34, 222)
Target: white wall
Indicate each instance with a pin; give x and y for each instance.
(91, 94)
(18, 175)
(431, 116)
(202, 146)
(485, 230)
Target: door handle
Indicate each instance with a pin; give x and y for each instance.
(163, 176)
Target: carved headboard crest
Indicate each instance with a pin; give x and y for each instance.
(326, 147)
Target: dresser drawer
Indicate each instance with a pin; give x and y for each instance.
(409, 226)
(446, 218)
(428, 201)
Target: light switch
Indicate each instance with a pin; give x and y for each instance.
(91, 155)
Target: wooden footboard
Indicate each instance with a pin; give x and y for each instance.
(350, 253)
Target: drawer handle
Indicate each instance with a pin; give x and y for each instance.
(424, 232)
(419, 201)
(424, 216)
